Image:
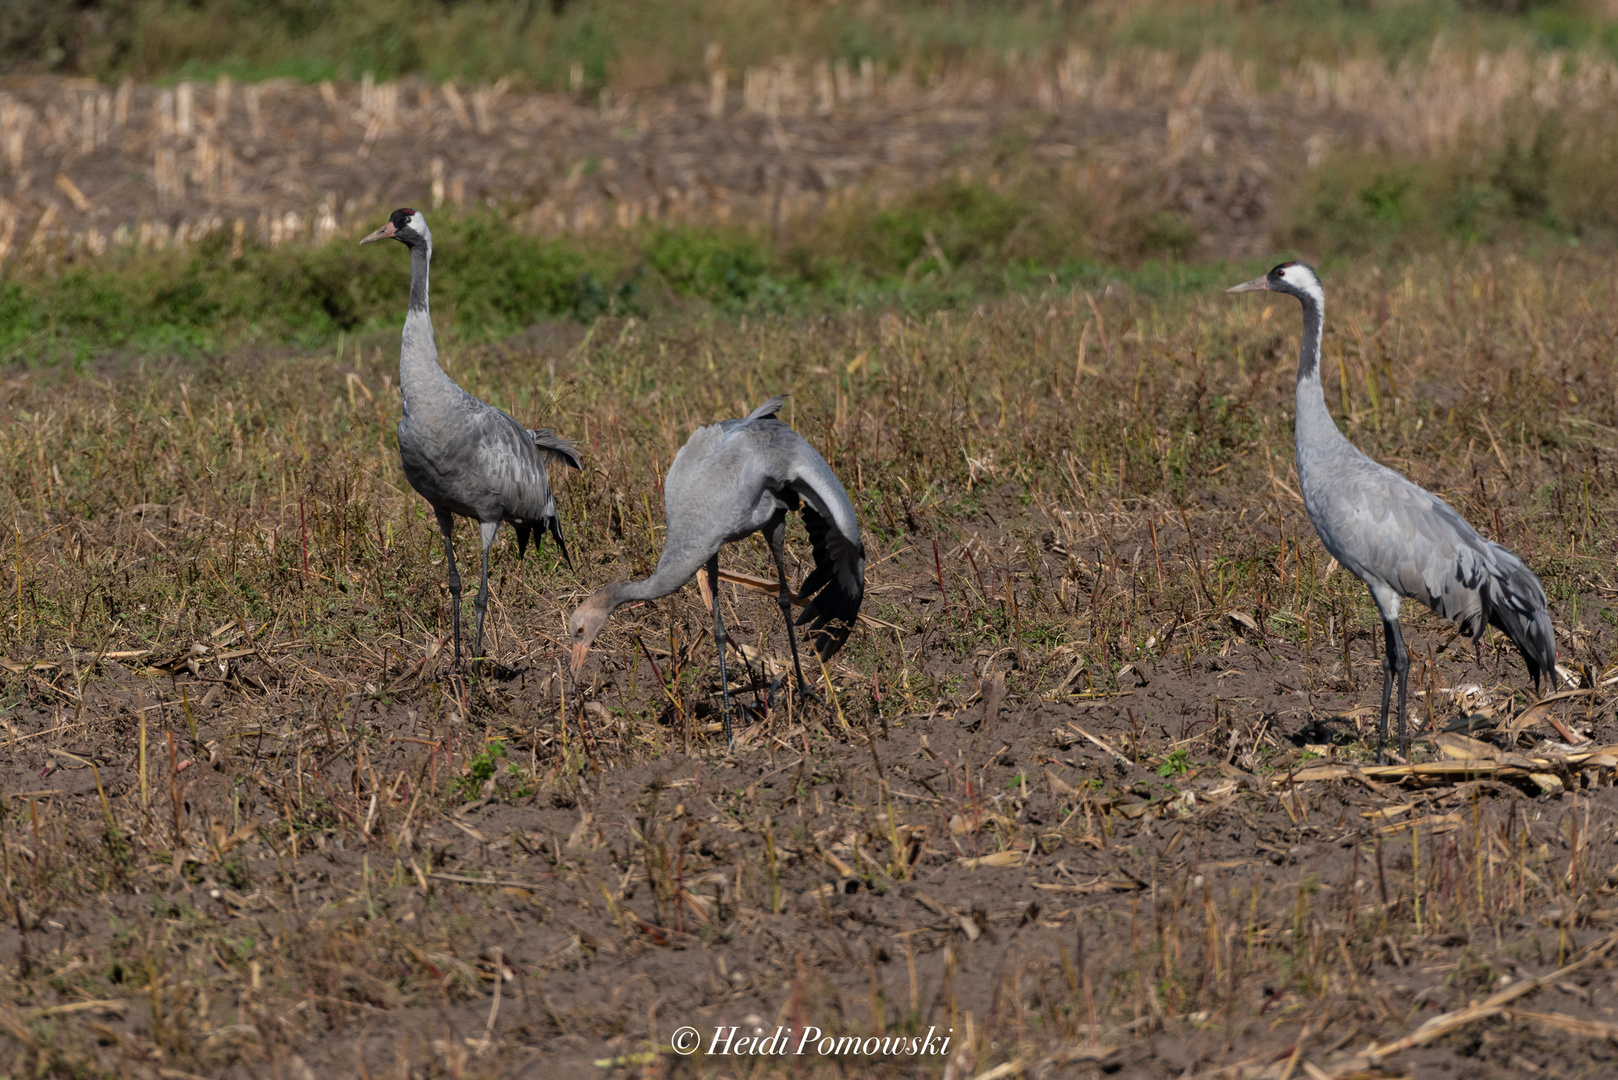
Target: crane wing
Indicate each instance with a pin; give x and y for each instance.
(836, 586)
(1396, 535)
(731, 478)
(1400, 538)
(510, 466)
(769, 409)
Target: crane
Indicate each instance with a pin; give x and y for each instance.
(729, 481)
(463, 455)
(1401, 540)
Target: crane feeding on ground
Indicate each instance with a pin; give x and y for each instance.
(1401, 540)
(730, 480)
(463, 455)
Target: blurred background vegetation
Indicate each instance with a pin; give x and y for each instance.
(1528, 169)
(636, 44)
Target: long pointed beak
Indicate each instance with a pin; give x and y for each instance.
(579, 652)
(1251, 286)
(384, 233)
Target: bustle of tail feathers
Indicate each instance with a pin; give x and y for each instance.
(554, 527)
(1515, 603)
(561, 544)
(832, 610)
(769, 409)
(554, 446)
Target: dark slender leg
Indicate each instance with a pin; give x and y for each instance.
(719, 644)
(1395, 663)
(1403, 662)
(446, 525)
(1387, 690)
(481, 604)
(775, 535)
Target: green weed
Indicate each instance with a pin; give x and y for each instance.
(1176, 763)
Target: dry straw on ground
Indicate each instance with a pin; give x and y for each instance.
(1059, 800)
(89, 168)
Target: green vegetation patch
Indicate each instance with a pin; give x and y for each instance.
(635, 44)
(487, 280)
(1542, 175)
(949, 245)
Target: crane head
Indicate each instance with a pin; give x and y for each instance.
(404, 225)
(585, 623)
(1294, 278)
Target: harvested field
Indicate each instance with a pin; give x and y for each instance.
(1088, 794)
(90, 169)
(294, 163)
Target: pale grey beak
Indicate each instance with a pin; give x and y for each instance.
(1251, 286)
(384, 233)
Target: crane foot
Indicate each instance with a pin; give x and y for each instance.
(805, 695)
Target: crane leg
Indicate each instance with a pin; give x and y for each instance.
(719, 646)
(1395, 664)
(775, 535)
(446, 525)
(1403, 662)
(481, 604)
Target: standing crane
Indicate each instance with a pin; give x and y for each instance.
(729, 481)
(1403, 541)
(463, 455)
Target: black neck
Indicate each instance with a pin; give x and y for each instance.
(421, 254)
(1309, 350)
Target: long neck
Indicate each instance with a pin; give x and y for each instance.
(1313, 419)
(674, 569)
(418, 354)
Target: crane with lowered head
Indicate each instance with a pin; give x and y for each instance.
(730, 480)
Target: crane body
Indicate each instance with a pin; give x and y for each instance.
(461, 454)
(1401, 540)
(731, 480)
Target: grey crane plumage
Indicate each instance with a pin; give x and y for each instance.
(463, 455)
(730, 480)
(1403, 541)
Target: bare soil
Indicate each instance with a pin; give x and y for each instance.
(1135, 920)
(1090, 792)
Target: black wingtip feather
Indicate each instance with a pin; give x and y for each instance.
(1516, 607)
(832, 609)
(830, 617)
(522, 532)
(561, 544)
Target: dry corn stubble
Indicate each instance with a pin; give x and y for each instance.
(1151, 152)
(327, 847)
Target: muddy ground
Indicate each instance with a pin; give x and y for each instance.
(381, 905)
